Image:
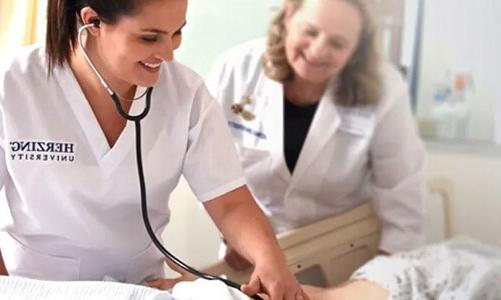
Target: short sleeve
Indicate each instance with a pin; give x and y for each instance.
(211, 164)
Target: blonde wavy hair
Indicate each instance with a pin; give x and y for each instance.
(359, 81)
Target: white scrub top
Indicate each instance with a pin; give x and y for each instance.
(350, 154)
(74, 201)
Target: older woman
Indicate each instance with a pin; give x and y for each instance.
(321, 124)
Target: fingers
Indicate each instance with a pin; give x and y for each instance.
(301, 295)
(154, 284)
(294, 294)
(174, 267)
(273, 291)
(163, 284)
(185, 275)
(253, 287)
(277, 292)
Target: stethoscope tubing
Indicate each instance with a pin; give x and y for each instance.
(140, 171)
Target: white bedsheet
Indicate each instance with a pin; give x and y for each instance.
(458, 269)
(19, 288)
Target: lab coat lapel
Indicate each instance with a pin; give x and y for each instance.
(324, 124)
(273, 91)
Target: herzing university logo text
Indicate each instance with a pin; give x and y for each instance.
(42, 151)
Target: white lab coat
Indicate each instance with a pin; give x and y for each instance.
(74, 201)
(350, 155)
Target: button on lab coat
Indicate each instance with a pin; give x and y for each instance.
(350, 155)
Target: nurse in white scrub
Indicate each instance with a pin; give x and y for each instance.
(68, 158)
(321, 124)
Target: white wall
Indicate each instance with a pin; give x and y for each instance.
(476, 178)
(190, 235)
(215, 25)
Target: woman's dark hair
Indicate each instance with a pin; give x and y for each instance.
(63, 17)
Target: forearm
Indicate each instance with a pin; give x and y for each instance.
(244, 226)
(3, 270)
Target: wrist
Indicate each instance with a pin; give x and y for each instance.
(270, 258)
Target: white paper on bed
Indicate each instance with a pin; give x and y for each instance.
(20, 288)
(202, 289)
(456, 269)
(27, 289)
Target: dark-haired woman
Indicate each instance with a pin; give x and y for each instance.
(321, 124)
(68, 158)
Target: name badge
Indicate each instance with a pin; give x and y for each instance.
(357, 121)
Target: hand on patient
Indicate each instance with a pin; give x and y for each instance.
(278, 282)
(168, 283)
(235, 260)
(274, 279)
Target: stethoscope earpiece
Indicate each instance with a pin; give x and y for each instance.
(96, 23)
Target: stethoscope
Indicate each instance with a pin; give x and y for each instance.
(139, 160)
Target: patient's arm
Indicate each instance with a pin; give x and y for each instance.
(351, 290)
(3, 270)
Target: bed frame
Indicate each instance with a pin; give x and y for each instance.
(327, 252)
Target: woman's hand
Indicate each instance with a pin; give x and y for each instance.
(276, 281)
(245, 227)
(166, 284)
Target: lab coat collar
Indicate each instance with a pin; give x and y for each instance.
(324, 124)
(275, 95)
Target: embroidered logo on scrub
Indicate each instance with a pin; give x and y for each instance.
(42, 151)
(239, 109)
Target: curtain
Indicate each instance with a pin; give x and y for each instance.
(21, 23)
(30, 22)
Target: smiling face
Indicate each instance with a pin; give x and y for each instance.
(321, 37)
(131, 50)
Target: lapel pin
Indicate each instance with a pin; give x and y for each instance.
(239, 109)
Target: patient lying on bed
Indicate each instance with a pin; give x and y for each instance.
(457, 269)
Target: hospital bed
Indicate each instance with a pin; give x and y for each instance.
(327, 252)
(322, 254)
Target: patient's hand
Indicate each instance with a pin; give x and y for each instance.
(168, 283)
(235, 260)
